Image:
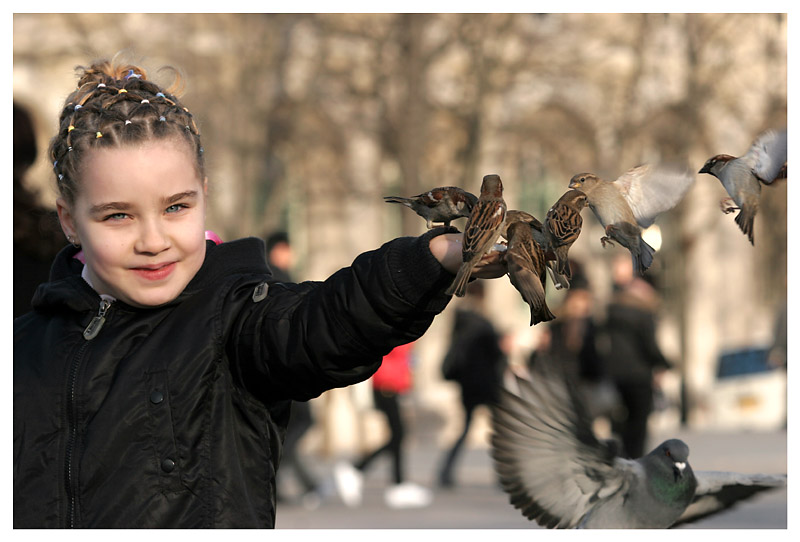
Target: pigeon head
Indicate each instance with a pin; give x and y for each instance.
(673, 454)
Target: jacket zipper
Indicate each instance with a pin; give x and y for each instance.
(89, 333)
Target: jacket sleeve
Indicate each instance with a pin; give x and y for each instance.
(303, 339)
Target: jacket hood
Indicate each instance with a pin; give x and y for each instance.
(66, 287)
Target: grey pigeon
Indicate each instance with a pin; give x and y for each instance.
(558, 473)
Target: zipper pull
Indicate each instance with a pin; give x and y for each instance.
(97, 322)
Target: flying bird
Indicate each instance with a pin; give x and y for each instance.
(526, 266)
(633, 201)
(562, 226)
(742, 177)
(482, 229)
(560, 475)
(443, 204)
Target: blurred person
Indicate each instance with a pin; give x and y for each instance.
(631, 356)
(476, 361)
(280, 259)
(37, 237)
(149, 314)
(389, 383)
(570, 340)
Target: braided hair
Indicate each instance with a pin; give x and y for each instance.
(116, 105)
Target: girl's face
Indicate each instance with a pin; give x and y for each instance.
(139, 216)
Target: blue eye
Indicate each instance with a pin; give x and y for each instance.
(116, 216)
(177, 207)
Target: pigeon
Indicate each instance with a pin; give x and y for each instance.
(443, 204)
(482, 229)
(525, 261)
(742, 177)
(559, 474)
(636, 198)
(562, 226)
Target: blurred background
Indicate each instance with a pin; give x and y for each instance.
(308, 120)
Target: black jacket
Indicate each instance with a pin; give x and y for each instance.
(174, 416)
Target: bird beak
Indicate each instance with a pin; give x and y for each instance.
(574, 184)
(678, 467)
(705, 169)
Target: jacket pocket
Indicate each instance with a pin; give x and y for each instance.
(167, 459)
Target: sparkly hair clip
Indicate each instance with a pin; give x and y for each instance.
(98, 135)
(131, 73)
(145, 101)
(162, 118)
(122, 90)
(100, 85)
(78, 106)
(127, 122)
(71, 127)
(160, 95)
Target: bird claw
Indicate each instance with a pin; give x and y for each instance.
(605, 240)
(728, 205)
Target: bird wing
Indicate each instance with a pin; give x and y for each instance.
(564, 224)
(546, 456)
(767, 155)
(483, 227)
(653, 189)
(720, 490)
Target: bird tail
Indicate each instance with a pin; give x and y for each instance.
(398, 199)
(745, 219)
(642, 258)
(459, 285)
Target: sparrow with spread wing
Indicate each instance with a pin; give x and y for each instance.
(632, 202)
(742, 177)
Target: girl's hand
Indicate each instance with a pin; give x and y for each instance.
(446, 248)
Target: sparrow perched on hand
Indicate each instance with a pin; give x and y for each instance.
(525, 261)
(741, 177)
(482, 229)
(540, 238)
(562, 226)
(635, 199)
(442, 204)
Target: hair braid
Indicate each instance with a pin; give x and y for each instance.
(116, 105)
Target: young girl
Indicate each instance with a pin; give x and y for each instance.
(153, 377)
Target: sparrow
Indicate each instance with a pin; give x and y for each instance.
(562, 226)
(742, 177)
(526, 264)
(482, 229)
(442, 204)
(632, 202)
(539, 236)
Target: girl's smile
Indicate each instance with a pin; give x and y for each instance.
(139, 216)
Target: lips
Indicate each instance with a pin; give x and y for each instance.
(155, 272)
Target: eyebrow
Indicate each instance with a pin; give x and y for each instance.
(101, 208)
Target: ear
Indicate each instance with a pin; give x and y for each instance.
(67, 221)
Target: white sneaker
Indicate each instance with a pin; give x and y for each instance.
(349, 483)
(407, 495)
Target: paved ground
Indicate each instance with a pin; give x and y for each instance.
(477, 503)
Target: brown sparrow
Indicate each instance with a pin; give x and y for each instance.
(442, 204)
(482, 229)
(742, 177)
(540, 237)
(526, 265)
(636, 198)
(562, 226)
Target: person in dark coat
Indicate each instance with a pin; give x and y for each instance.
(476, 361)
(631, 355)
(154, 375)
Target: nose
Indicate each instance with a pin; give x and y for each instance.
(152, 238)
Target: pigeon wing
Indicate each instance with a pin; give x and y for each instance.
(767, 155)
(653, 189)
(546, 456)
(717, 491)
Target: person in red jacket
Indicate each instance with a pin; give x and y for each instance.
(389, 383)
